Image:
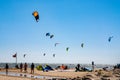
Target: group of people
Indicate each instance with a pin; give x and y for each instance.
(21, 67)
(25, 67)
(63, 67)
(80, 68)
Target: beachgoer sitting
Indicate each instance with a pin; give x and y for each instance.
(78, 68)
(105, 68)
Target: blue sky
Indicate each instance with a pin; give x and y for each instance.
(72, 22)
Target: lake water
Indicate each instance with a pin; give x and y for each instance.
(12, 65)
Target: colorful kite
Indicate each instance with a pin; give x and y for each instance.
(36, 15)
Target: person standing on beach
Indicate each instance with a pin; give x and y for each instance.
(25, 67)
(93, 65)
(6, 67)
(21, 67)
(32, 68)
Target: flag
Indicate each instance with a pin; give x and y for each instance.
(15, 55)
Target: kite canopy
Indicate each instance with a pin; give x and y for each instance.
(63, 67)
(53, 55)
(51, 36)
(109, 39)
(67, 48)
(36, 15)
(24, 55)
(44, 54)
(48, 68)
(56, 44)
(47, 34)
(40, 68)
(82, 45)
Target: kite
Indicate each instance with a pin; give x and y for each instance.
(53, 55)
(82, 45)
(67, 48)
(56, 44)
(47, 34)
(36, 15)
(44, 54)
(24, 55)
(109, 39)
(51, 36)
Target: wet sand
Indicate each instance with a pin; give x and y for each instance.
(4, 77)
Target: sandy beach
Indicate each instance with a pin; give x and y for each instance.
(66, 75)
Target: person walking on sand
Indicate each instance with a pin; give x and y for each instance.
(32, 68)
(6, 67)
(21, 67)
(93, 65)
(25, 67)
